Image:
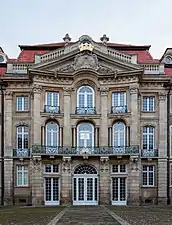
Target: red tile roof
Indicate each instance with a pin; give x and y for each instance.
(2, 71)
(29, 55)
(168, 71)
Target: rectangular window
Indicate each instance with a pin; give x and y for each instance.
(22, 103)
(22, 137)
(119, 102)
(148, 104)
(52, 98)
(148, 138)
(22, 175)
(148, 175)
(119, 168)
(51, 168)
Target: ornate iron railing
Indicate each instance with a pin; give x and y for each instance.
(127, 150)
(149, 153)
(85, 110)
(52, 109)
(21, 152)
(119, 109)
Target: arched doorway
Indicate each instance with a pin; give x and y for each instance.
(85, 185)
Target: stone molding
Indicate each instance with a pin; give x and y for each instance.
(134, 90)
(22, 123)
(67, 90)
(8, 95)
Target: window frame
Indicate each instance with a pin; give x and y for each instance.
(113, 134)
(119, 166)
(23, 133)
(23, 97)
(93, 135)
(148, 176)
(46, 134)
(119, 93)
(148, 103)
(46, 98)
(22, 171)
(52, 168)
(148, 137)
(85, 97)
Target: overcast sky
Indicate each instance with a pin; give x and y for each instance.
(123, 21)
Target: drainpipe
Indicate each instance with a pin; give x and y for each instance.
(169, 85)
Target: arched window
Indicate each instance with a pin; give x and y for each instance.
(85, 135)
(85, 100)
(22, 137)
(148, 137)
(119, 134)
(52, 132)
(85, 169)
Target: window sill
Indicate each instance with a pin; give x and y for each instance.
(148, 111)
(147, 186)
(26, 111)
(26, 186)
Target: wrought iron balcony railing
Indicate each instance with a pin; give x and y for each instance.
(52, 109)
(85, 110)
(21, 152)
(148, 153)
(127, 150)
(119, 109)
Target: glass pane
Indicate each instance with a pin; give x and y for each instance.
(144, 178)
(55, 99)
(74, 191)
(19, 178)
(55, 189)
(49, 98)
(81, 100)
(150, 178)
(81, 189)
(89, 100)
(122, 189)
(115, 189)
(48, 168)
(55, 168)
(48, 189)
(26, 103)
(26, 178)
(89, 189)
(19, 103)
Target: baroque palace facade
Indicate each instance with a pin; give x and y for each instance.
(85, 124)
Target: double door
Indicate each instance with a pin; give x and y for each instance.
(85, 190)
(51, 190)
(119, 191)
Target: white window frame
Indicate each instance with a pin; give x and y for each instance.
(147, 136)
(24, 171)
(51, 167)
(78, 132)
(119, 98)
(46, 131)
(23, 133)
(148, 172)
(148, 104)
(119, 168)
(46, 99)
(23, 100)
(85, 96)
(113, 132)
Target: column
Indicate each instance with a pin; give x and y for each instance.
(134, 115)
(67, 136)
(104, 119)
(8, 148)
(162, 161)
(36, 129)
(127, 136)
(74, 136)
(60, 136)
(110, 136)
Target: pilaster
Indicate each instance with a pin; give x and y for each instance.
(8, 181)
(37, 181)
(134, 115)
(36, 114)
(67, 137)
(104, 119)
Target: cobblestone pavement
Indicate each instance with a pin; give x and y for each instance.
(152, 215)
(87, 215)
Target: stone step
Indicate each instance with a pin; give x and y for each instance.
(87, 215)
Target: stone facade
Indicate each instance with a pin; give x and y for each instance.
(63, 71)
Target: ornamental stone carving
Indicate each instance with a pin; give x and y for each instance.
(22, 124)
(133, 90)
(85, 60)
(67, 90)
(8, 95)
(37, 88)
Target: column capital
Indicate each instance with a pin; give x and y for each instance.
(133, 90)
(37, 88)
(104, 91)
(67, 90)
(162, 96)
(8, 95)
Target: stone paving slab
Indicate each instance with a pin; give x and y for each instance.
(87, 215)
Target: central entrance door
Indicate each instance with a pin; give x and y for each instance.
(85, 185)
(51, 194)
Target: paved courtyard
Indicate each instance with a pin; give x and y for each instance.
(86, 215)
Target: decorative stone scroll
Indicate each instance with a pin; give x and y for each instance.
(162, 96)
(66, 164)
(8, 95)
(104, 163)
(22, 123)
(134, 90)
(36, 163)
(67, 90)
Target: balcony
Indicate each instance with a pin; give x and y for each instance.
(85, 110)
(21, 153)
(119, 109)
(149, 153)
(54, 150)
(52, 109)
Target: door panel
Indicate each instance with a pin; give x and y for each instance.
(51, 191)
(119, 191)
